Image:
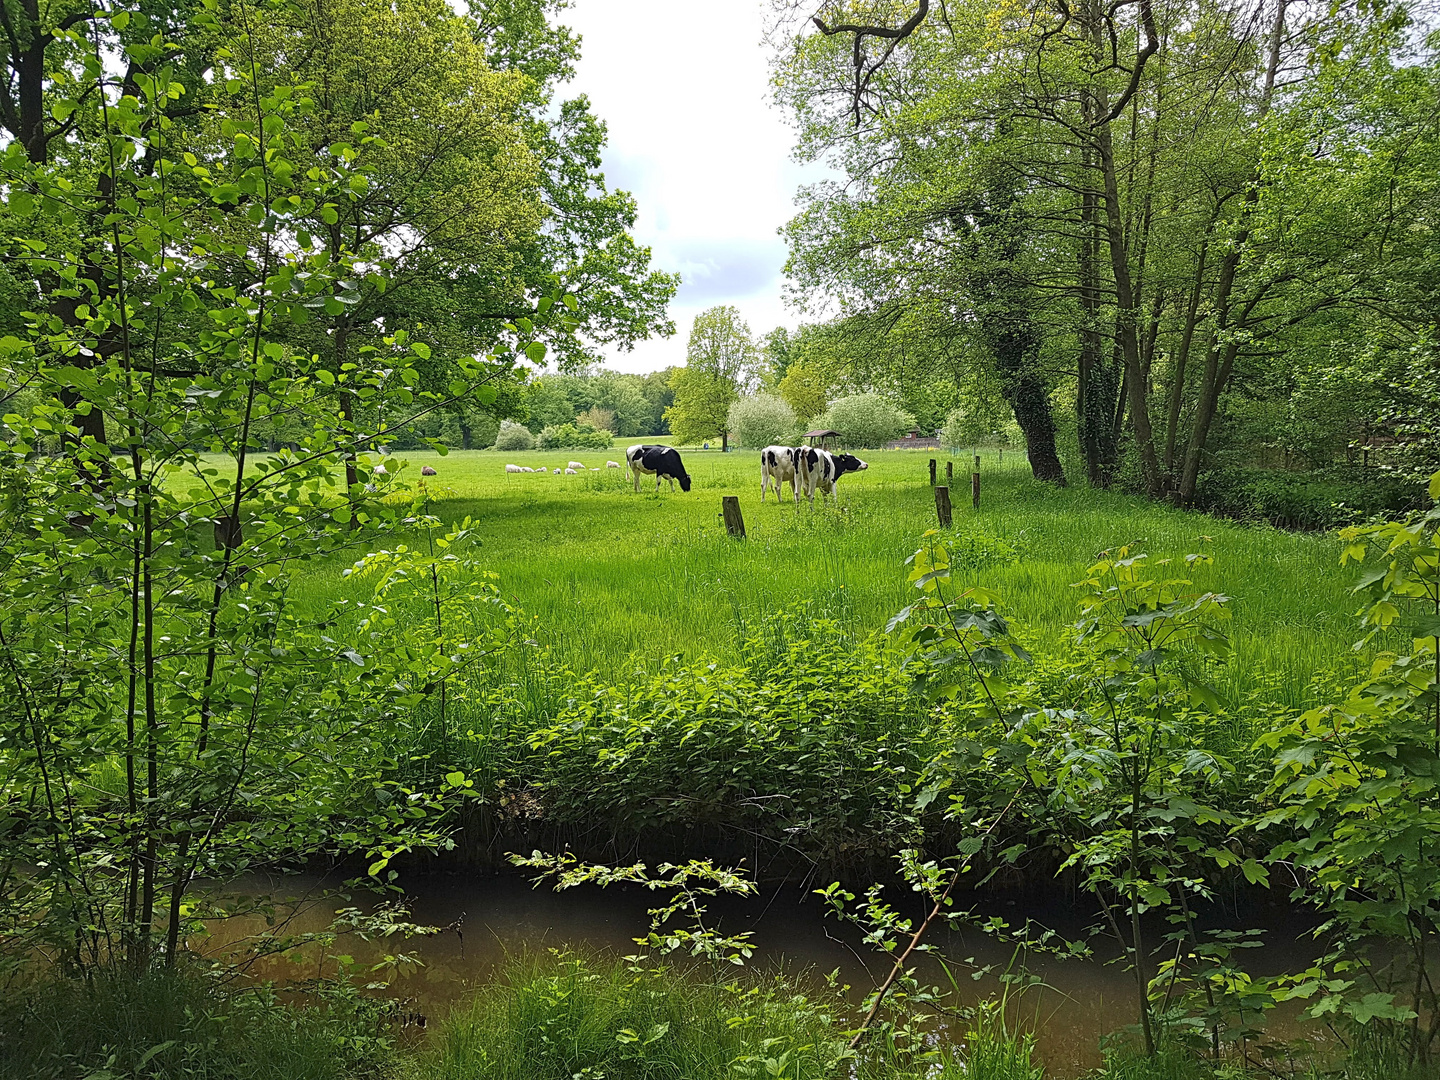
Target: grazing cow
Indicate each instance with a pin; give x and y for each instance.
(662, 462)
(576, 465)
(426, 470)
(513, 468)
(611, 465)
(820, 468)
(777, 465)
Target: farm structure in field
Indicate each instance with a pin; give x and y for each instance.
(915, 439)
(823, 438)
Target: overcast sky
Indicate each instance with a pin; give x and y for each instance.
(683, 90)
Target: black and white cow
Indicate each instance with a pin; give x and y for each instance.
(820, 469)
(662, 462)
(777, 465)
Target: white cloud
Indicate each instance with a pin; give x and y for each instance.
(683, 89)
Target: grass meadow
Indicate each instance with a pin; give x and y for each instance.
(616, 577)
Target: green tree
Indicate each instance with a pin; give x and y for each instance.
(586, 243)
(659, 391)
(191, 720)
(547, 404)
(803, 389)
(720, 361)
(1138, 239)
(450, 186)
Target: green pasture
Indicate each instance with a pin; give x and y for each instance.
(616, 577)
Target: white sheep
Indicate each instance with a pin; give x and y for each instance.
(570, 472)
(611, 465)
(513, 468)
(557, 472)
(577, 465)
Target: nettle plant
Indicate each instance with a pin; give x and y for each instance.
(1117, 777)
(1357, 785)
(169, 711)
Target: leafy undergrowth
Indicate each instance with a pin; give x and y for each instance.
(163, 1026)
(561, 1016)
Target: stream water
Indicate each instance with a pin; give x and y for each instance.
(492, 918)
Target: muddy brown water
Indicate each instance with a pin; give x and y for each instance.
(490, 919)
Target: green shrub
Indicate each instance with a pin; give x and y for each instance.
(970, 427)
(562, 1016)
(865, 420)
(161, 1026)
(514, 436)
(1295, 500)
(763, 420)
(573, 437)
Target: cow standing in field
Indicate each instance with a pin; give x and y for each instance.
(821, 469)
(777, 465)
(662, 462)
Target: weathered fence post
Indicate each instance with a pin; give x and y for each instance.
(932, 472)
(734, 523)
(942, 506)
(975, 484)
(949, 473)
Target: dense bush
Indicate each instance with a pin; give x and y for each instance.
(165, 1026)
(865, 420)
(968, 427)
(573, 437)
(514, 436)
(763, 420)
(1318, 500)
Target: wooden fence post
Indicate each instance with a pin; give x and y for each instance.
(949, 473)
(942, 506)
(932, 472)
(734, 523)
(975, 484)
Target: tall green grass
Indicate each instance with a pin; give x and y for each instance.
(559, 1017)
(169, 1026)
(617, 578)
(562, 1017)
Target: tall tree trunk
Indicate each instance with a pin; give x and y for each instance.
(1126, 316)
(1182, 357)
(1127, 319)
(1220, 353)
(1028, 395)
(1097, 386)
